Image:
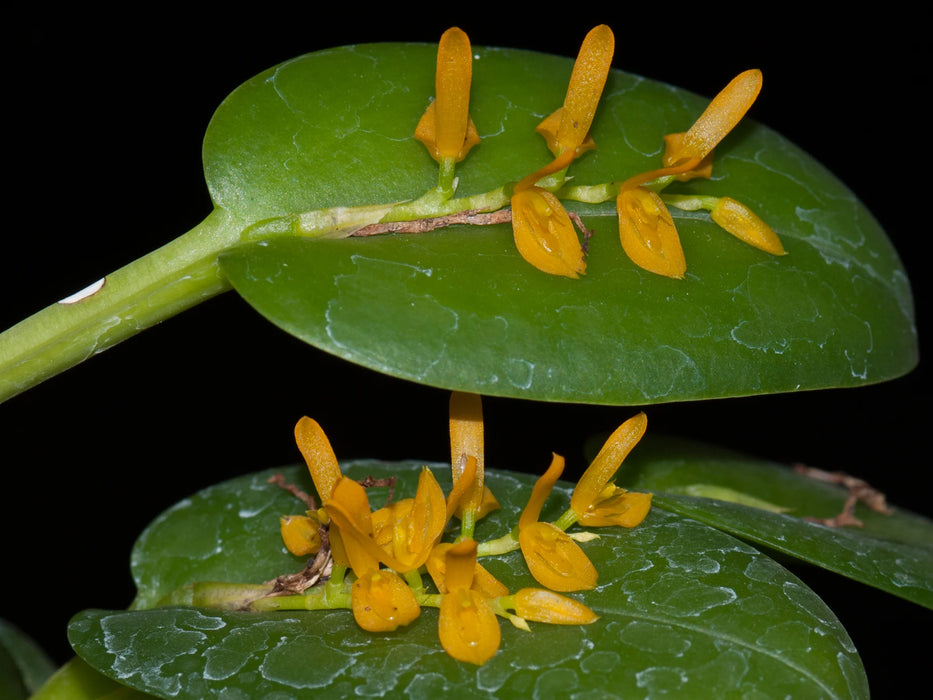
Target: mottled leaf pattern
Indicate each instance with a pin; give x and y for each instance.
(686, 611)
(459, 308)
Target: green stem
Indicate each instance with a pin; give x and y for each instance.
(180, 275)
(309, 601)
(503, 545)
(566, 520)
(157, 286)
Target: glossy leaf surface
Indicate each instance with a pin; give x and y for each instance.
(891, 552)
(685, 609)
(458, 308)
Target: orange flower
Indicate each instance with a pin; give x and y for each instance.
(446, 128)
(544, 234)
(737, 219)
(469, 500)
(319, 456)
(553, 558)
(646, 228)
(569, 126)
(382, 602)
(467, 625)
(408, 530)
(539, 605)
(596, 502)
(483, 582)
(350, 516)
(648, 234)
(301, 533)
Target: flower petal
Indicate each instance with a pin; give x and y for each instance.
(349, 511)
(555, 560)
(719, 118)
(460, 560)
(539, 605)
(672, 144)
(300, 534)
(417, 533)
(587, 81)
(544, 233)
(466, 440)
(483, 582)
(607, 463)
(616, 506)
(446, 128)
(467, 627)
(745, 225)
(648, 234)
(319, 456)
(381, 601)
(540, 491)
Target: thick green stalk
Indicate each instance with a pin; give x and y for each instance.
(180, 275)
(157, 286)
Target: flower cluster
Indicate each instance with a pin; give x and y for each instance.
(379, 557)
(544, 232)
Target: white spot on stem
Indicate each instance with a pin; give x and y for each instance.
(88, 291)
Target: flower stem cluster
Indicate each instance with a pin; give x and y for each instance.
(544, 232)
(380, 557)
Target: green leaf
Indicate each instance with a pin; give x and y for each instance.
(23, 664)
(458, 308)
(684, 610)
(891, 552)
(76, 680)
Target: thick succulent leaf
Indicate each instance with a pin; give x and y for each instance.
(458, 308)
(684, 609)
(23, 664)
(891, 552)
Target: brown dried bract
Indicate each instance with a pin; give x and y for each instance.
(859, 490)
(369, 482)
(470, 217)
(317, 571)
(302, 496)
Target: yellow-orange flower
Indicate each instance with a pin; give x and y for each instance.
(646, 228)
(408, 530)
(382, 602)
(648, 234)
(319, 456)
(737, 219)
(467, 625)
(553, 558)
(595, 501)
(544, 233)
(471, 499)
(301, 533)
(569, 126)
(446, 128)
(483, 582)
(539, 605)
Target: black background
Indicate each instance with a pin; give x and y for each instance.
(105, 115)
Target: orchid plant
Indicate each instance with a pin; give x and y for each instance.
(663, 573)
